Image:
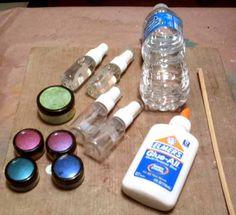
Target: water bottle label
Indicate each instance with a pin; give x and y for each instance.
(160, 19)
(162, 162)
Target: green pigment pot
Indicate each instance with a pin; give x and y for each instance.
(56, 104)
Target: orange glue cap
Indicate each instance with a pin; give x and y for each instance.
(186, 112)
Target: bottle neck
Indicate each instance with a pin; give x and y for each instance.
(123, 60)
(160, 5)
(126, 119)
(106, 101)
(115, 70)
(121, 124)
(98, 53)
(128, 113)
(182, 122)
(89, 61)
(100, 107)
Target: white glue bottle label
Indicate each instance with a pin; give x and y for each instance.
(158, 172)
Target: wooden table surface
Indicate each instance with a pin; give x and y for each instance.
(23, 29)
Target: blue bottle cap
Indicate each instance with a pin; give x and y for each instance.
(68, 171)
(21, 174)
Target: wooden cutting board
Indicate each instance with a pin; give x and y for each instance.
(100, 192)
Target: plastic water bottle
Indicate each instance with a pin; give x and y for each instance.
(164, 81)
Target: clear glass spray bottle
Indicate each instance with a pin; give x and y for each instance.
(110, 74)
(112, 131)
(87, 123)
(83, 67)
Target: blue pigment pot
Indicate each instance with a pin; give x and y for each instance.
(67, 171)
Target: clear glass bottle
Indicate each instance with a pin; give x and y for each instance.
(100, 146)
(86, 124)
(164, 83)
(83, 67)
(110, 74)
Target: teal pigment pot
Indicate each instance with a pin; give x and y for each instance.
(21, 174)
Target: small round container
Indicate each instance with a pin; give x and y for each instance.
(29, 143)
(67, 171)
(60, 142)
(21, 174)
(56, 104)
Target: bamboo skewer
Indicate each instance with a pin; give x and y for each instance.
(215, 147)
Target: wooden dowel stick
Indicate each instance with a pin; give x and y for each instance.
(215, 144)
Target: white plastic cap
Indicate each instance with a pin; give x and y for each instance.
(109, 98)
(160, 5)
(181, 121)
(128, 113)
(98, 53)
(123, 60)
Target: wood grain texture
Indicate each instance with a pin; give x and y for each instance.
(100, 193)
(215, 144)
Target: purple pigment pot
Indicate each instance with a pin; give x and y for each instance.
(60, 142)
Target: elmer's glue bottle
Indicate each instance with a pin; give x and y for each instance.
(158, 172)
